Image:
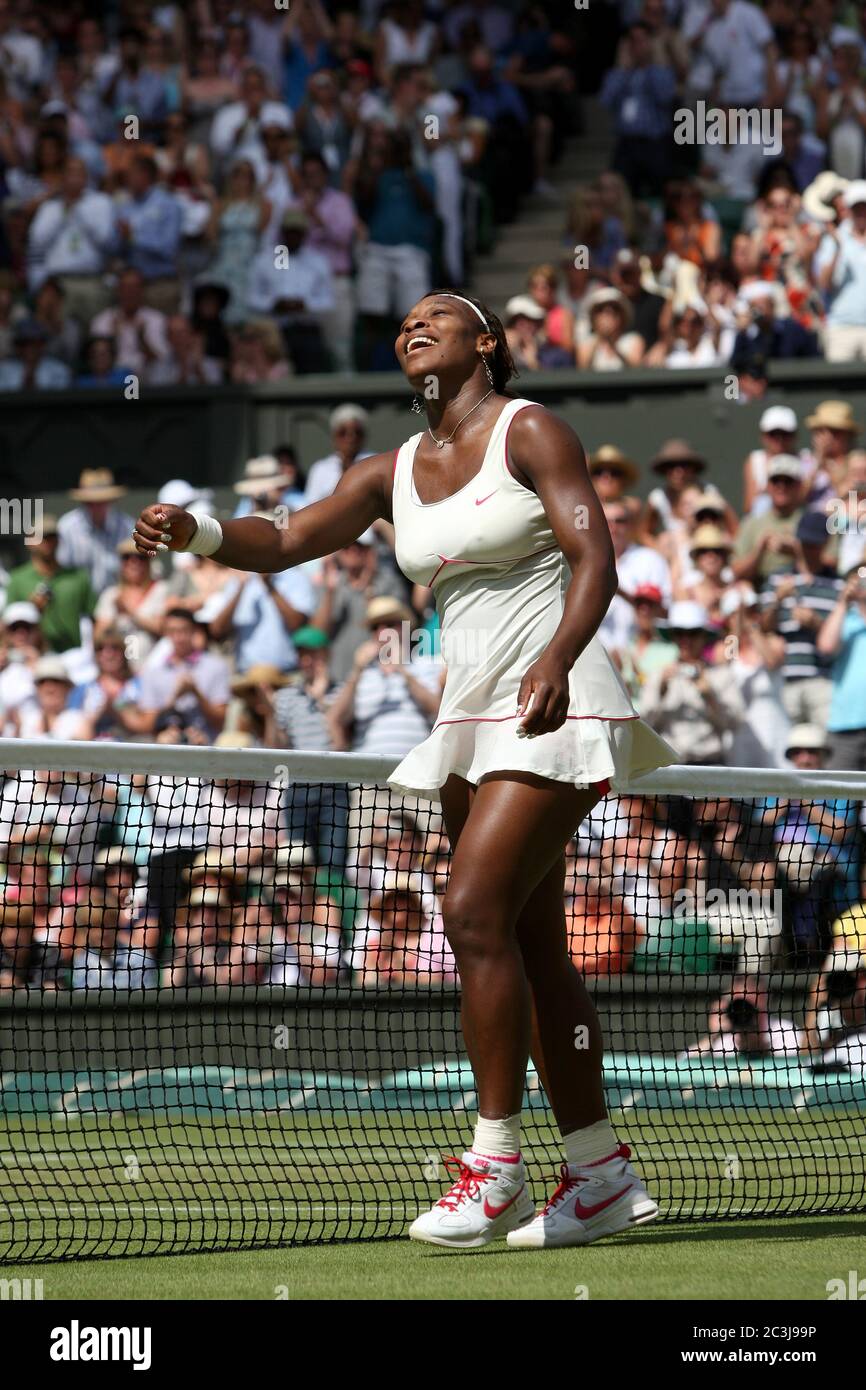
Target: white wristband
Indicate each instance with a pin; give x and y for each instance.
(207, 536)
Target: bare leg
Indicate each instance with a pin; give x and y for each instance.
(507, 837)
(571, 1072)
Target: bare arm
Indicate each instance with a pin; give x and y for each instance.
(362, 496)
(548, 454)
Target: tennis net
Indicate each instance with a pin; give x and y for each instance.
(229, 1016)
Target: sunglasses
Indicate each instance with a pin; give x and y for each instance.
(20, 627)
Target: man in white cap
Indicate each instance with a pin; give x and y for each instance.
(348, 425)
(236, 132)
(769, 336)
(840, 269)
(778, 430)
(689, 702)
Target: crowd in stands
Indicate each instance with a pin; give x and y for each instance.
(194, 194)
(741, 633)
(741, 638)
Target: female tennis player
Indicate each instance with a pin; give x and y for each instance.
(493, 507)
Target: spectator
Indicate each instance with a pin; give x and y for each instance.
(237, 224)
(296, 288)
(692, 704)
(639, 92)
(690, 233)
(348, 426)
(49, 714)
(71, 238)
(596, 232)
(396, 203)
(710, 551)
(769, 337)
(21, 646)
(236, 132)
(100, 368)
(149, 227)
(766, 544)
(755, 657)
(107, 702)
(187, 678)
(738, 44)
(613, 475)
(323, 125)
(185, 363)
(842, 636)
(778, 429)
(646, 307)
(840, 267)
(509, 152)
(841, 108)
(834, 432)
(31, 369)
(332, 229)
(636, 565)
(348, 581)
(259, 613)
(258, 354)
(542, 282)
(646, 651)
(63, 596)
(796, 606)
(132, 87)
(134, 606)
(138, 332)
(90, 533)
(527, 339)
(691, 337)
(307, 34)
(667, 506)
(610, 346)
(386, 704)
(63, 341)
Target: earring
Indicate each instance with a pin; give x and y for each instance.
(487, 369)
(416, 406)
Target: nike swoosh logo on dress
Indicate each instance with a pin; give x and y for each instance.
(479, 500)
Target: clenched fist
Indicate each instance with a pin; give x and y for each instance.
(162, 527)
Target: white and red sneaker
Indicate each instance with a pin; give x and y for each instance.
(487, 1199)
(597, 1199)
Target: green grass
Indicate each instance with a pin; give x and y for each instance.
(134, 1184)
(761, 1260)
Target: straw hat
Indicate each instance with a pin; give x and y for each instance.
(609, 456)
(261, 474)
(296, 855)
(234, 738)
(51, 668)
(833, 415)
(710, 537)
(97, 485)
(209, 897)
(212, 861)
(379, 609)
(262, 673)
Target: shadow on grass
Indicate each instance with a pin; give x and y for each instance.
(781, 1229)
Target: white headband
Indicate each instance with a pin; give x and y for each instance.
(472, 306)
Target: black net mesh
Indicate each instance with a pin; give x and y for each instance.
(230, 1015)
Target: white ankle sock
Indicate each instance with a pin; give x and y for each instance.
(497, 1138)
(588, 1145)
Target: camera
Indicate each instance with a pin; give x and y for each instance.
(690, 671)
(741, 1013)
(840, 986)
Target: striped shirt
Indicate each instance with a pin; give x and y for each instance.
(301, 719)
(387, 719)
(93, 548)
(818, 593)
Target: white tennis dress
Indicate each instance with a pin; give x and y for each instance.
(500, 579)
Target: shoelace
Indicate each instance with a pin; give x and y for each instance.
(567, 1183)
(467, 1183)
